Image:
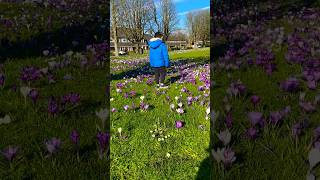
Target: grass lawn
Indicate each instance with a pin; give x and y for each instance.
(29, 118)
(182, 153)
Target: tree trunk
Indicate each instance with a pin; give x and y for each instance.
(114, 28)
(115, 36)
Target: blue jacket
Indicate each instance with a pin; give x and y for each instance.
(158, 53)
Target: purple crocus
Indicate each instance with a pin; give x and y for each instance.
(72, 98)
(255, 100)
(252, 133)
(316, 133)
(34, 95)
(53, 145)
(132, 93)
(29, 74)
(312, 84)
(103, 140)
(126, 107)
(275, 117)
(144, 106)
(2, 79)
(74, 137)
(290, 85)
(229, 157)
(256, 118)
(229, 120)
(307, 106)
(113, 110)
(53, 106)
(237, 88)
(179, 124)
(189, 99)
(10, 152)
(297, 129)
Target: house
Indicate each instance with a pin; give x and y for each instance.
(125, 45)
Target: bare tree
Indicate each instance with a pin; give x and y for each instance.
(134, 17)
(165, 18)
(114, 24)
(198, 24)
(191, 27)
(203, 24)
(178, 36)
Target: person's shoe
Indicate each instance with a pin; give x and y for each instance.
(163, 86)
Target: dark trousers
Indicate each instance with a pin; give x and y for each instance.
(160, 74)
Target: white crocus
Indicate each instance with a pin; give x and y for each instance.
(103, 114)
(5, 120)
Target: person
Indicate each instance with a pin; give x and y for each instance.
(159, 58)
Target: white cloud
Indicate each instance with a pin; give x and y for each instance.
(194, 10)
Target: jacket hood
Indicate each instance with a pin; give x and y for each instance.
(155, 42)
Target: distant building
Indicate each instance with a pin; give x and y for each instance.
(125, 45)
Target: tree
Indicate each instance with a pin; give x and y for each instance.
(134, 17)
(203, 24)
(178, 36)
(165, 18)
(114, 20)
(198, 24)
(191, 27)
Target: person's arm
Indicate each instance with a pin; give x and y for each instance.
(165, 55)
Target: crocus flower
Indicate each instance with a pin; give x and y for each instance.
(275, 117)
(237, 88)
(307, 106)
(144, 106)
(126, 107)
(228, 120)
(297, 129)
(74, 137)
(172, 107)
(252, 133)
(53, 106)
(227, 156)
(103, 140)
(255, 100)
(180, 110)
(312, 84)
(2, 80)
(290, 85)
(53, 145)
(179, 124)
(256, 118)
(34, 95)
(316, 132)
(113, 110)
(10, 152)
(225, 137)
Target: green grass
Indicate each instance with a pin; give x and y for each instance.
(32, 125)
(181, 54)
(139, 155)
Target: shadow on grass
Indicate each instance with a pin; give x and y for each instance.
(62, 38)
(145, 69)
(204, 169)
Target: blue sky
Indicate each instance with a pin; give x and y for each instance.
(185, 6)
